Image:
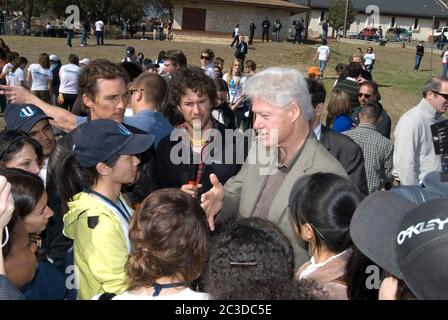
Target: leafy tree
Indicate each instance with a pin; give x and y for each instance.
(336, 14)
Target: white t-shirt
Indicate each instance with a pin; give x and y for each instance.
(99, 25)
(69, 75)
(186, 294)
(324, 52)
(14, 78)
(368, 57)
(40, 77)
(7, 67)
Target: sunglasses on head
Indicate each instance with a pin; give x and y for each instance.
(205, 57)
(360, 95)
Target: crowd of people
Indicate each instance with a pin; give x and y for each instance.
(154, 179)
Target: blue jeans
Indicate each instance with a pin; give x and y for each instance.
(322, 65)
(298, 37)
(84, 37)
(69, 37)
(418, 60)
(277, 36)
(444, 70)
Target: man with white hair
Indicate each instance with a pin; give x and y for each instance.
(286, 149)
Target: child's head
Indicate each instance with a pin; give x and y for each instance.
(169, 237)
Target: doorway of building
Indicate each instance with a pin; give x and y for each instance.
(193, 19)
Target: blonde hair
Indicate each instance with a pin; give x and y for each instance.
(338, 104)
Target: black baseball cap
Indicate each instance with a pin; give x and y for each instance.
(100, 140)
(422, 249)
(409, 241)
(23, 117)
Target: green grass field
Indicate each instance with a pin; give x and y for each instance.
(400, 86)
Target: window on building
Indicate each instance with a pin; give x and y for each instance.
(437, 24)
(392, 22)
(322, 15)
(416, 26)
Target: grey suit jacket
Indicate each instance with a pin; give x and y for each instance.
(242, 191)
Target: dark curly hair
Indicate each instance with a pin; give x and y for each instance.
(252, 250)
(98, 69)
(192, 78)
(169, 236)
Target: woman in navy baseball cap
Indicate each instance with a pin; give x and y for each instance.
(105, 153)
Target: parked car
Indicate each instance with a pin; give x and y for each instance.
(398, 34)
(368, 33)
(440, 31)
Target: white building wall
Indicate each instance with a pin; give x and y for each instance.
(423, 32)
(224, 18)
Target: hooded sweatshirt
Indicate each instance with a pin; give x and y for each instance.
(101, 245)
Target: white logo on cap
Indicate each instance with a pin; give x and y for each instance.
(123, 130)
(27, 112)
(419, 228)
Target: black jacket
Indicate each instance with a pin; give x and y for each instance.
(173, 175)
(241, 50)
(349, 154)
(266, 24)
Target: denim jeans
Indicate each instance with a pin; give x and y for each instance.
(277, 36)
(84, 37)
(322, 65)
(69, 37)
(418, 60)
(444, 70)
(298, 37)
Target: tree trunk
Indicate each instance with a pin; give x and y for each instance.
(28, 13)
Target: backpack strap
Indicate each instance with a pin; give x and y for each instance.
(107, 296)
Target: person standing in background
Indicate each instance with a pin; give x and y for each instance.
(85, 32)
(252, 29)
(99, 32)
(266, 25)
(420, 52)
(323, 52)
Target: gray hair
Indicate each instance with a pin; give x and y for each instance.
(280, 87)
(433, 84)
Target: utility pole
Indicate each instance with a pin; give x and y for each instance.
(307, 19)
(432, 46)
(345, 18)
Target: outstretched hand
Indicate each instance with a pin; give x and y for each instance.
(211, 201)
(17, 94)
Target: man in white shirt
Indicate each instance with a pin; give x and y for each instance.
(207, 57)
(68, 89)
(99, 32)
(414, 154)
(323, 52)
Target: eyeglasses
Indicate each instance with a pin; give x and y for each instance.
(360, 95)
(205, 57)
(444, 95)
